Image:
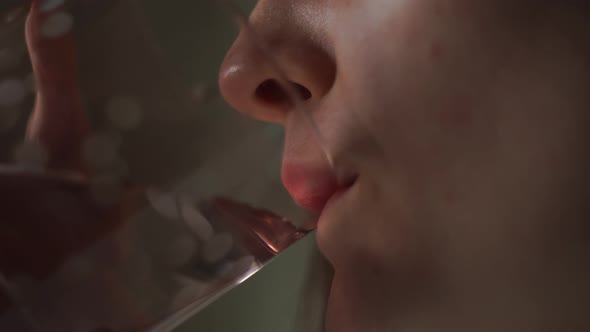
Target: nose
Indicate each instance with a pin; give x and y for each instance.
(248, 78)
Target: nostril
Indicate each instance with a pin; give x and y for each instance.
(271, 92)
(303, 92)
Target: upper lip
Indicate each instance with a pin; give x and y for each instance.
(311, 188)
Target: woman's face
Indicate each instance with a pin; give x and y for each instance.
(456, 131)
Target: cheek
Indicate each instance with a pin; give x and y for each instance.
(419, 104)
(416, 70)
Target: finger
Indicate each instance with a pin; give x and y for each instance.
(58, 121)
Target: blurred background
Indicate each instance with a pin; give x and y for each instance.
(163, 58)
(143, 73)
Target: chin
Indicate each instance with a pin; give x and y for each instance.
(350, 310)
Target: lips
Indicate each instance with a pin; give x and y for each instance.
(312, 188)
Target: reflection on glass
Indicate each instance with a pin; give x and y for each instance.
(128, 188)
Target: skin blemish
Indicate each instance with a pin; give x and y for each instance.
(457, 114)
(449, 197)
(456, 118)
(436, 51)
